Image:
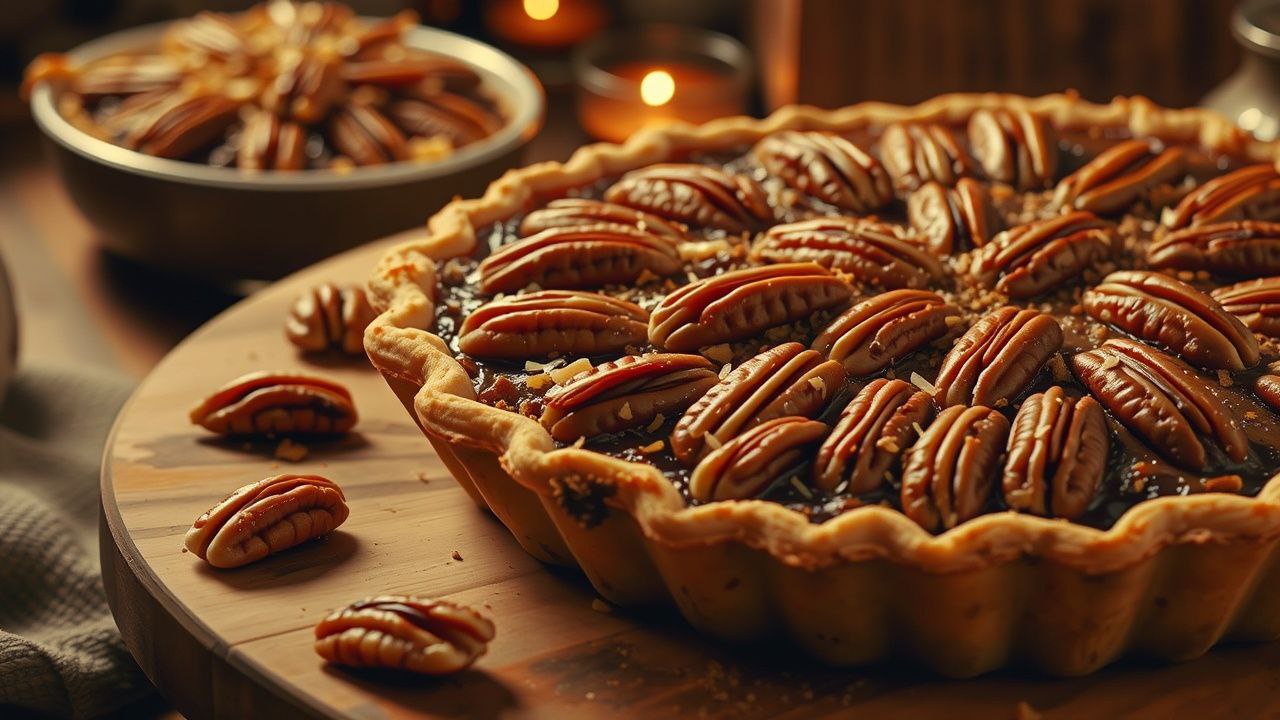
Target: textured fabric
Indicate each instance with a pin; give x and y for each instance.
(60, 652)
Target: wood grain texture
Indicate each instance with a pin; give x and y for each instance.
(238, 643)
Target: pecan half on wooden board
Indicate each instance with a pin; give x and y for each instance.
(828, 167)
(948, 473)
(400, 632)
(1243, 248)
(1031, 259)
(997, 358)
(748, 464)
(953, 219)
(885, 328)
(1058, 451)
(873, 252)
(785, 380)
(267, 517)
(741, 304)
(1015, 147)
(579, 257)
(1168, 312)
(1250, 193)
(576, 212)
(270, 403)
(626, 393)
(553, 323)
(915, 153)
(330, 317)
(1255, 302)
(873, 431)
(1162, 401)
(1120, 176)
(696, 195)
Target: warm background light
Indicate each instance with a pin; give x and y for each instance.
(541, 9)
(657, 88)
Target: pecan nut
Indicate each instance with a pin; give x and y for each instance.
(1161, 400)
(997, 358)
(828, 167)
(267, 403)
(1250, 193)
(1121, 175)
(953, 219)
(1015, 147)
(1268, 389)
(1171, 313)
(695, 195)
(885, 328)
(584, 256)
(873, 431)
(576, 212)
(330, 317)
(399, 632)
(207, 35)
(305, 89)
(267, 517)
(873, 252)
(1255, 302)
(741, 304)
(266, 143)
(126, 75)
(1245, 248)
(785, 380)
(553, 323)
(747, 465)
(625, 393)
(1030, 259)
(1058, 450)
(184, 126)
(445, 114)
(915, 153)
(366, 136)
(948, 474)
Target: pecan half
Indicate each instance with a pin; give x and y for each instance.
(748, 464)
(1245, 248)
(579, 257)
(785, 380)
(885, 328)
(330, 317)
(208, 35)
(1030, 259)
(552, 323)
(1058, 450)
(267, 517)
(305, 89)
(625, 393)
(185, 126)
(873, 431)
(1169, 312)
(948, 473)
(126, 75)
(1121, 175)
(1250, 193)
(998, 358)
(576, 212)
(694, 195)
(873, 252)
(1255, 302)
(915, 153)
(1015, 147)
(828, 167)
(266, 143)
(953, 219)
(455, 117)
(367, 136)
(399, 632)
(1161, 400)
(266, 403)
(1268, 389)
(743, 303)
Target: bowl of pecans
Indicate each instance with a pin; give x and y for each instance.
(249, 145)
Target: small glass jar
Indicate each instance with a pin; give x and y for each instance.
(1251, 96)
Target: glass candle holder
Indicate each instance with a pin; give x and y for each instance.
(544, 24)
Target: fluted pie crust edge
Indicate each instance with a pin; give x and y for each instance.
(1171, 578)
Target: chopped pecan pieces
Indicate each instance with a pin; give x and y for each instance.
(743, 303)
(885, 328)
(749, 463)
(998, 358)
(1255, 302)
(873, 252)
(575, 212)
(582, 256)
(267, 404)
(785, 380)
(552, 323)
(1058, 450)
(953, 219)
(873, 431)
(915, 153)
(1250, 193)
(399, 632)
(1169, 312)
(1245, 248)
(1121, 175)
(695, 195)
(330, 317)
(1028, 260)
(267, 517)
(1161, 400)
(1015, 147)
(948, 473)
(828, 167)
(625, 393)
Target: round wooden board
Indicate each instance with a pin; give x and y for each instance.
(238, 643)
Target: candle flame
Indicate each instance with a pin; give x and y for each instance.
(657, 88)
(541, 9)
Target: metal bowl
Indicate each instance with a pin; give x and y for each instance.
(227, 224)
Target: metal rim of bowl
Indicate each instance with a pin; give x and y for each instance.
(517, 89)
(1249, 32)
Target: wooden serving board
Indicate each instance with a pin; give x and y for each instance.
(239, 643)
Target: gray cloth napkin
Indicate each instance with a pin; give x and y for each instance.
(60, 652)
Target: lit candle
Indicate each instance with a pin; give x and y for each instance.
(544, 24)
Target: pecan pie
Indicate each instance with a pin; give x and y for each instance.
(990, 380)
